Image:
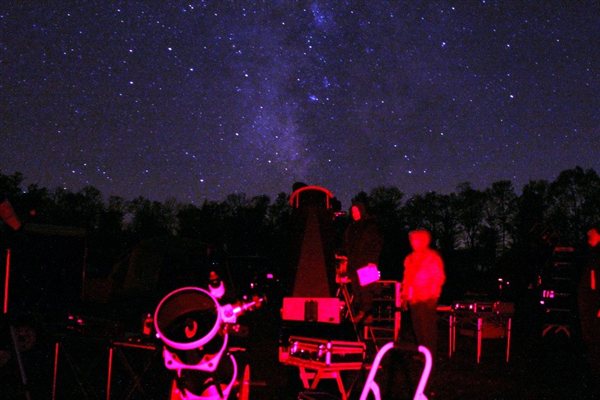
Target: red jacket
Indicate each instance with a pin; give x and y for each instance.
(424, 276)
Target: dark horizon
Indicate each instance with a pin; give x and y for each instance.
(273, 196)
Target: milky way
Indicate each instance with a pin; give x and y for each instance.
(197, 100)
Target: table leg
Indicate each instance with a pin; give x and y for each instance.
(508, 334)
(479, 336)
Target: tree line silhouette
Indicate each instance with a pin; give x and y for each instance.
(481, 233)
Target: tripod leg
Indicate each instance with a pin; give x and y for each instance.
(13, 336)
(245, 386)
(343, 290)
(348, 300)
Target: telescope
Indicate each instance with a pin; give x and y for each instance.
(8, 215)
(194, 328)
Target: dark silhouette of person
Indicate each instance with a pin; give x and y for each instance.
(588, 300)
(424, 277)
(362, 246)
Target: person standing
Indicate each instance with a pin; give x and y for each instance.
(422, 283)
(588, 299)
(362, 247)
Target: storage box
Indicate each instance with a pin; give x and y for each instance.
(325, 352)
(312, 309)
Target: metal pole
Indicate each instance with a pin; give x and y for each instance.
(13, 335)
(453, 333)
(509, 329)
(450, 336)
(479, 333)
(109, 378)
(6, 282)
(55, 374)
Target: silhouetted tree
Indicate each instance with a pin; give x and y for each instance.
(36, 204)
(435, 212)
(81, 209)
(211, 225)
(278, 220)
(361, 197)
(574, 203)
(530, 219)
(475, 229)
(108, 241)
(469, 208)
(10, 185)
(150, 218)
(500, 211)
(447, 230)
(385, 204)
(190, 221)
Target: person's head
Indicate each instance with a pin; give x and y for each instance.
(419, 239)
(355, 213)
(593, 237)
(358, 211)
(213, 276)
(215, 285)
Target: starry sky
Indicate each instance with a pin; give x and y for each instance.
(196, 100)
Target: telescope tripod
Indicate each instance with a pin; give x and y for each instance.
(343, 293)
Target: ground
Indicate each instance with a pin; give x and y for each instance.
(550, 368)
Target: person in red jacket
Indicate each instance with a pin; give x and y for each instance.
(422, 284)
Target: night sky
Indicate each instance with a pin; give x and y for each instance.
(196, 100)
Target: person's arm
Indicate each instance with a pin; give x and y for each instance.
(438, 275)
(406, 287)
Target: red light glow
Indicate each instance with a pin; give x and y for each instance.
(548, 294)
(593, 237)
